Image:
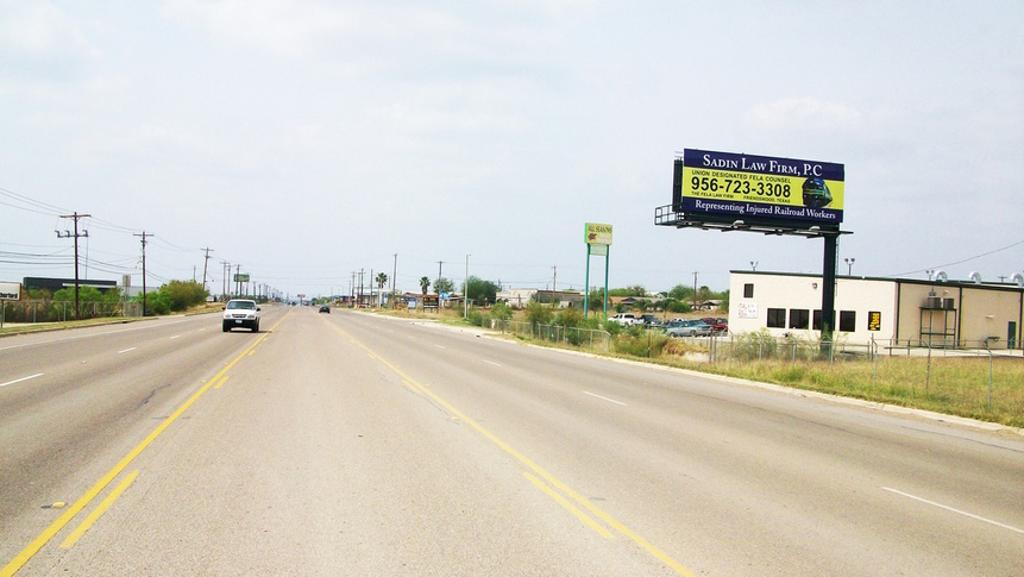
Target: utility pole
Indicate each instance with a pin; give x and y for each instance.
(352, 288)
(206, 261)
(143, 237)
(373, 283)
(225, 266)
(439, 263)
(67, 234)
(394, 274)
(554, 279)
(359, 298)
(238, 280)
(694, 290)
(465, 291)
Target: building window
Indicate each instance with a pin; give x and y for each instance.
(777, 318)
(798, 318)
(748, 290)
(816, 320)
(848, 321)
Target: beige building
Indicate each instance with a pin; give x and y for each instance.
(959, 314)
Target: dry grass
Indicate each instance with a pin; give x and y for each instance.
(957, 386)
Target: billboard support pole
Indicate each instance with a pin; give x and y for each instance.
(828, 291)
(586, 287)
(607, 257)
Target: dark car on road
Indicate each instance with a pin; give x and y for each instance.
(325, 309)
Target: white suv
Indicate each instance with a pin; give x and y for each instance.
(241, 313)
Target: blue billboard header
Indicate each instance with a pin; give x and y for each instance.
(731, 161)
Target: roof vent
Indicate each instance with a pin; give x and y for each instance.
(1018, 278)
(941, 276)
(975, 277)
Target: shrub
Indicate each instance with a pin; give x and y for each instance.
(569, 317)
(640, 343)
(538, 314)
(759, 345)
(476, 318)
(501, 311)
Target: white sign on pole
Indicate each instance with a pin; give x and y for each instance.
(598, 250)
(10, 291)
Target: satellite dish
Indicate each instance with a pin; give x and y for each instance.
(975, 277)
(941, 276)
(1018, 278)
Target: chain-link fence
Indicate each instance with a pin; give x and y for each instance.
(48, 311)
(974, 380)
(590, 339)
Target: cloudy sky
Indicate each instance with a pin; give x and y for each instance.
(305, 140)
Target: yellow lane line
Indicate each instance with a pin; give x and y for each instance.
(221, 382)
(23, 557)
(99, 511)
(586, 519)
(582, 501)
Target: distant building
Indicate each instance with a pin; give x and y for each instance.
(562, 299)
(55, 284)
(515, 298)
(954, 314)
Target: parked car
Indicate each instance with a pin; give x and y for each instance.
(651, 321)
(718, 325)
(241, 313)
(625, 319)
(685, 328)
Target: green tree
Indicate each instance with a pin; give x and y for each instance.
(681, 292)
(183, 294)
(424, 284)
(382, 279)
(703, 293)
(443, 285)
(481, 291)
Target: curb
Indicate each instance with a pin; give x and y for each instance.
(54, 329)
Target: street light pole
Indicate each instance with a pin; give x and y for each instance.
(849, 265)
(465, 291)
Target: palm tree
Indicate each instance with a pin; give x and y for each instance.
(424, 284)
(382, 279)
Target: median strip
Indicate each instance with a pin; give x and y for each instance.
(586, 519)
(99, 511)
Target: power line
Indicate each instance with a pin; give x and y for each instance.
(968, 259)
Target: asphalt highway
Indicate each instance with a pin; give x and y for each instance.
(350, 444)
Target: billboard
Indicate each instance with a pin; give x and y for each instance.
(10, 291)
(597, 233)
(725, 187)
(244, 277)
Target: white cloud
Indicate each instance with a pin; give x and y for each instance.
(283, 27)
(804, 113)
(38, 29)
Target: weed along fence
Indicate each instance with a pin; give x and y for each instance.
(974, 381)
(590, 339)
(46, 311)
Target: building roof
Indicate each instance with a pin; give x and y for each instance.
(952, 283)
